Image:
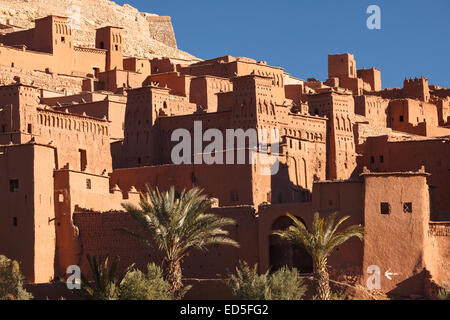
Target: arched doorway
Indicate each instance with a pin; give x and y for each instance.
(283, 253)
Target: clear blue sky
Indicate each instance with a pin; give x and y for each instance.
(297, 35)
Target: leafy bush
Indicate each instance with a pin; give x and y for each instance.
(139, 286)
(247, 284)
(105, 279)
(284, 284)
(11, 281)
(132, 284)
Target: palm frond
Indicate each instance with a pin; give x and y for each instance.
(178, 223)
(323, 237)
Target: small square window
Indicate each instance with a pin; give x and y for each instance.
(401, 118)
(381, 159)
(63, 39)
(13, 185)
(385, 208)
(372, 159)
(407, 207)
(88, 184)
(116, 47)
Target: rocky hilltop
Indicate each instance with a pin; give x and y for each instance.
(145, 34)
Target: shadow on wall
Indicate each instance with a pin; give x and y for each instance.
(285, 191)
(411, 286)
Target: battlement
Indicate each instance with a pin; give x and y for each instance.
(416, 88)
(422, 80)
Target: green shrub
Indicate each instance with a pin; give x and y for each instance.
(11, 281)
(247, 284)
(139, 286)
(284, 284)
(132, 284)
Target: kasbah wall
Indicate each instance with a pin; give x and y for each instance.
(83, 130)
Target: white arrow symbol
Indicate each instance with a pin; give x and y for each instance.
(388, 274)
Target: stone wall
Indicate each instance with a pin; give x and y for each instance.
(161, 30)
(99, 234)
(47, 81)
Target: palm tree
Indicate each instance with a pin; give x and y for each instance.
(176, 225)
(319, 244)
(106, 279)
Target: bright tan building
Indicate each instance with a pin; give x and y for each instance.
(68, 160)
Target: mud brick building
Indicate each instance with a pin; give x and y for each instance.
(84, 129)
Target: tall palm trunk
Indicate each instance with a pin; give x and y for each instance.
(322, 280)
(174, 276)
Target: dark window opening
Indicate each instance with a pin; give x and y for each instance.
(29, 128)
(381, 159)
(139, 160)
(88, 184)
(372, 159)
(116, 47)
(407, 207)
(63, 39)
(14, 185)
(15, 224)
(280, 197)
(385, 208)
(102, 45)
(401, 118)
(83, 160)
